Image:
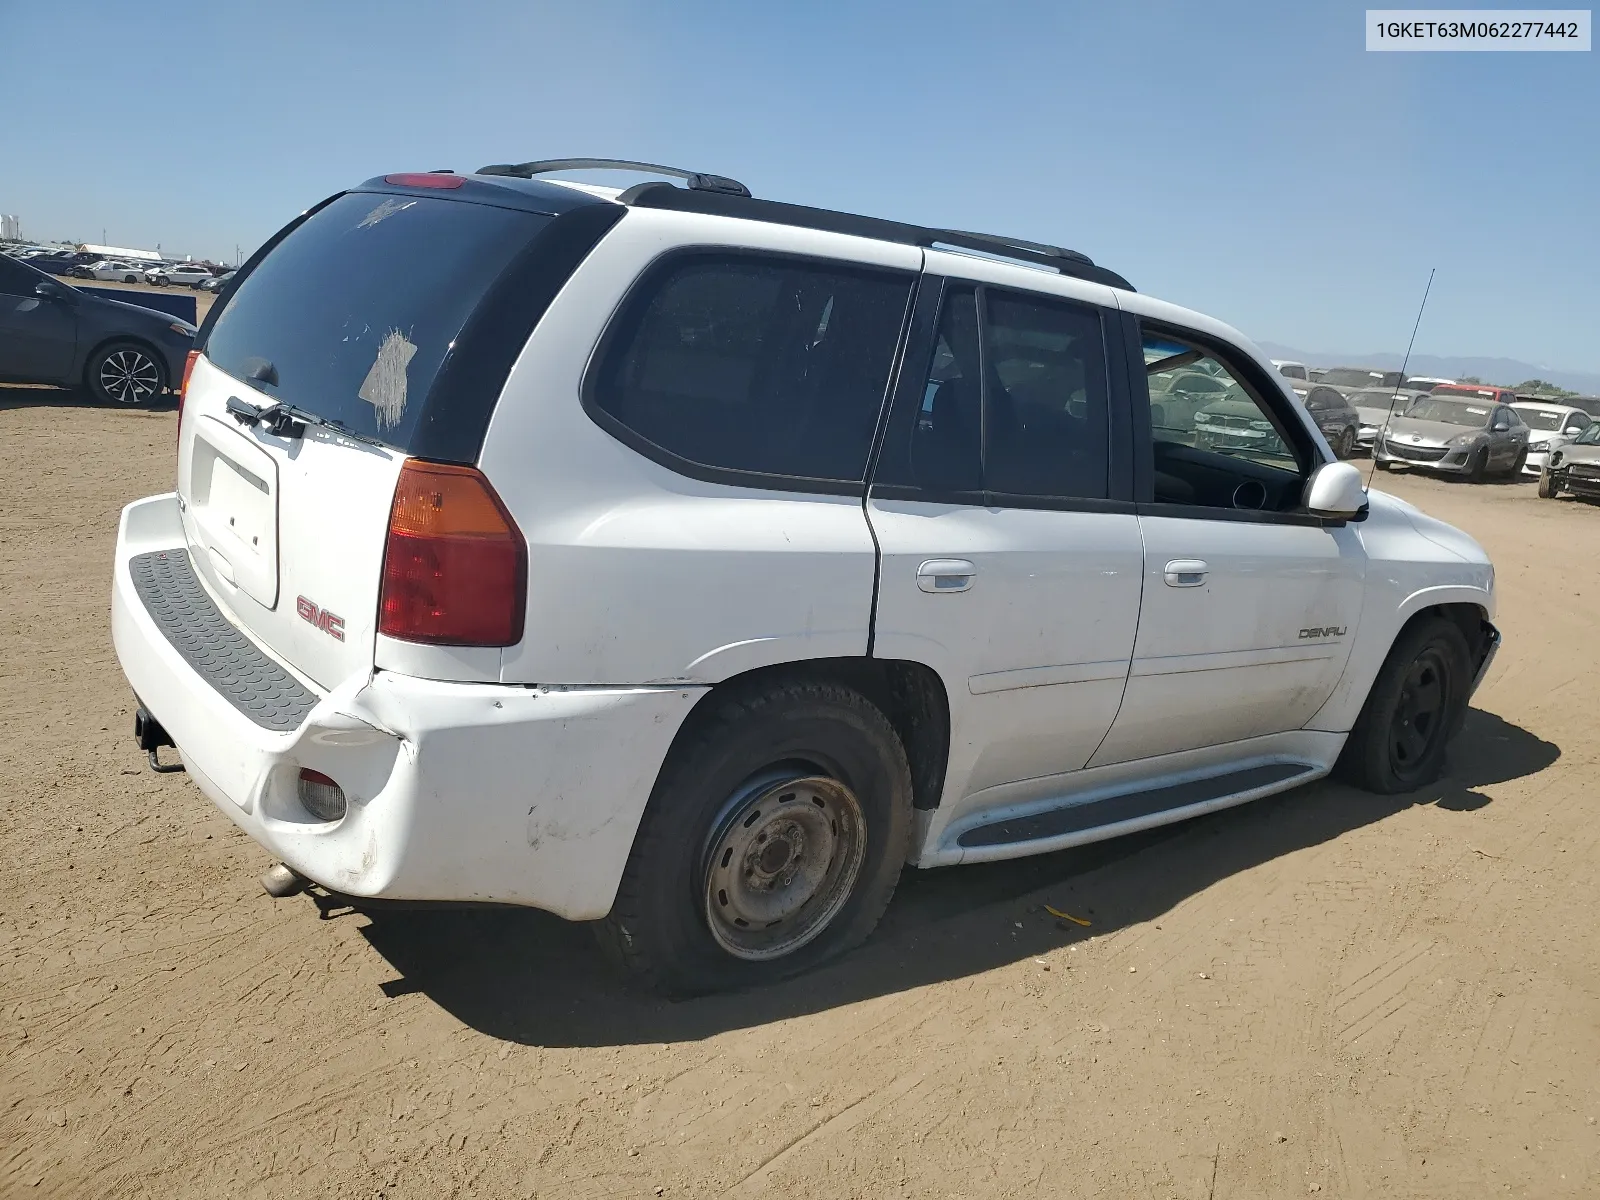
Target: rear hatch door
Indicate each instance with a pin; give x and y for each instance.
(351, 317)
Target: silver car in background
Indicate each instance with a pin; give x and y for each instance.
(1375, 406)
(1549, 426)
(1456, 435)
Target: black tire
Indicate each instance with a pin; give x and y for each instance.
(1522, 461)
(1415, 707)
(1549, 489)
(130, 279)
(750, 754)
(1346, 445)
(1379, 464)
(161, 281)
(1479, 466)
(125, 373)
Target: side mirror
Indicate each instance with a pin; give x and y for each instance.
(1336, 490)
(51, 290)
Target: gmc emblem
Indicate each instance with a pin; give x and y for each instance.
(324, 620)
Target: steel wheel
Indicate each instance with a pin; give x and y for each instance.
(781, 862)
(1420, 718)
(128, 375)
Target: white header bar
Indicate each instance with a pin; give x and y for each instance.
(1477, 29)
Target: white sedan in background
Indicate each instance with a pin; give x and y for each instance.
(1549, 426)
(111, 269)
(187, 274)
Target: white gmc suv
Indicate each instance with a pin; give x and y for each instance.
(695, 562)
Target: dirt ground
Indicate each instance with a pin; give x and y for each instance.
(1325, 992)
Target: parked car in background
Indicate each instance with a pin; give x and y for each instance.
(1177, 396)
(217, 282)
(1549, 425)
(1335, 415)
(179, 274)
(1455, 435)
(1484, 393)
(1574, 467)
(1290, 369)
(56, 262)
(53, 333)
(109, 269)
(1425, 383)
(1376, 406)
(1360, 377)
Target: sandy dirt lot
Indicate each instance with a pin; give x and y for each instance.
(1324, 993)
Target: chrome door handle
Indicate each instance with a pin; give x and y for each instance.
(1187, 572)
(945, 575)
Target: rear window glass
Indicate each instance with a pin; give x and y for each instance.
(754, 363)
(356, 309)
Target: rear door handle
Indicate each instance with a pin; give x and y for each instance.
(1187, 572)
(945, 575)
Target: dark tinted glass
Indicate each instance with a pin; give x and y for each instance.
(756, 363)
(946, 441)
(16, 279)
(1046, 407)
(356, 309)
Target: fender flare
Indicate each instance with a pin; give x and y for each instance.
(1338, 714)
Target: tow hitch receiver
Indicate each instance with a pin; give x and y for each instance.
(151, 737)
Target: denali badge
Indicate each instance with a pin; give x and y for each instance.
(333, 626)
(1323, 631)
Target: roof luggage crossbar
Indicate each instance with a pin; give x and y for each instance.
(698, 181)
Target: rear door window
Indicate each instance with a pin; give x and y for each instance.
(752, 366)
(355, 311)
(1046, 408)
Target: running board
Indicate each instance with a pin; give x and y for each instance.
(1132, 811)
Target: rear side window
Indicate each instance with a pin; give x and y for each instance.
(1046, 409)
(752, 363)
(354, 312)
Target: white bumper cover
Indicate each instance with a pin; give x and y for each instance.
(457, 791)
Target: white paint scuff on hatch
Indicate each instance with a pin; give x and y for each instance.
(387, 209)
(385, 385)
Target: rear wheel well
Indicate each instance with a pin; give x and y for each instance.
(910, 694)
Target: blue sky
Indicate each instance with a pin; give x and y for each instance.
(1249, 160)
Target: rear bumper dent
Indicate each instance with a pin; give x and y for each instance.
(456, 791)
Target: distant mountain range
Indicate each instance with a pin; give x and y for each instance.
(1507, 372)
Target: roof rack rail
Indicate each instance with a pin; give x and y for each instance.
(1008, 247)
(1056, 258)
(698, 181)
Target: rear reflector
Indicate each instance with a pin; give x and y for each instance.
(321, 796)
(455, 568)
(424, 180)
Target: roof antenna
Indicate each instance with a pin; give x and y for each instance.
(1405, 362)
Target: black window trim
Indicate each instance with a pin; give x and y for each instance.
(732, 476)
(1121, 467)
(1245, 371)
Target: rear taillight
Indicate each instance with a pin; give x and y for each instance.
(455, 568)
(183, 389)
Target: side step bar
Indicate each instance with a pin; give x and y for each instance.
(1130, 811)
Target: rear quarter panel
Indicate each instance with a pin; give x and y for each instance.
(639, 575)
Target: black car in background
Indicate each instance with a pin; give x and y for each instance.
(58, 262)
(52, 333)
